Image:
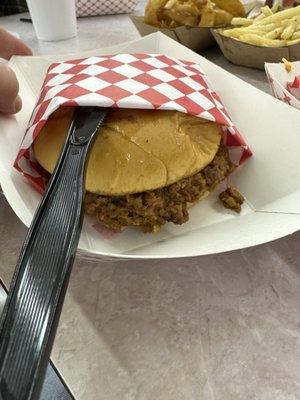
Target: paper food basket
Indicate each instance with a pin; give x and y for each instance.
(268, 179)
(279, 77)
(194, 38)
(249, 55)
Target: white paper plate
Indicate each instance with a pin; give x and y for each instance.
(270, 181)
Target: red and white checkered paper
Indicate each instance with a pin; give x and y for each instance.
(85, 8)
(147, 81)
(294, 87)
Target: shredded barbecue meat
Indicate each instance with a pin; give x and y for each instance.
(232, 199)
(152, 209)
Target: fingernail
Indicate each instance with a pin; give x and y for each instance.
(18, 104)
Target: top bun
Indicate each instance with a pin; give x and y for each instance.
(136, 150)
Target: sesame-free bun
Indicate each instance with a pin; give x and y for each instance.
(135, 150)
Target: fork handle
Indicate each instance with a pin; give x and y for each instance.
(33, 307)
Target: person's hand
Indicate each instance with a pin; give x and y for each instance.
(10, 101)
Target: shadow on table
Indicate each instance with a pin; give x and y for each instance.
(179, 329)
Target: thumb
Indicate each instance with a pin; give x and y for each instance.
(10, 102)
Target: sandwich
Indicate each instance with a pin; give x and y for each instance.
(146, 167)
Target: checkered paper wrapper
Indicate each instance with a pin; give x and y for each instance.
(85, 8)
(279, 79)
(145, 81)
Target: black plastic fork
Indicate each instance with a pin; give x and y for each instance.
(38, 288)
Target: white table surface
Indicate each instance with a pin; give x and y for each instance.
(222, 327)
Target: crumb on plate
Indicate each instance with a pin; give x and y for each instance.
(232, 199)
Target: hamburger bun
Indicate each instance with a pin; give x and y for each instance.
(136, 150)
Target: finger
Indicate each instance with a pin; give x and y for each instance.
(10, 45)
(10, 102)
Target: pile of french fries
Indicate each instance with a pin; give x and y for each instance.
(271, 28)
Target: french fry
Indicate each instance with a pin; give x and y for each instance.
(222, 17)
(233, 7)
(207, 18)
(296, 35)
(275, 7)
(266, 11)
(289, 30)
(262, 41)
(265, 28)
(170, 4)
(236, 33)
(241, 21)
(275, 33)
(285, 23)
(261, 28)
(287, 65)
(153, 12)
(292, 42)
(259, 17)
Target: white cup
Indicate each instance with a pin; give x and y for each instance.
(53, 19)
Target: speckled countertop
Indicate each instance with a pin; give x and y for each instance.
(223, 327)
